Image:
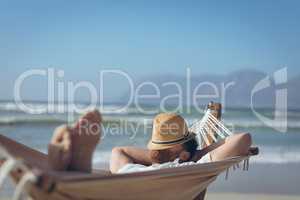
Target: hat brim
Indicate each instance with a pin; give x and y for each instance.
(154, 146)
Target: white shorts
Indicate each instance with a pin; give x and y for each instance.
(130, 168)
(205, 159)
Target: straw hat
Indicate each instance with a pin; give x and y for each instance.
(168, 130)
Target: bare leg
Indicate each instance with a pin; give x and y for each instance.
(71, 148)
(235, 145)
(85, 137)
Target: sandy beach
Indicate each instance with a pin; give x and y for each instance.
(261, 182)
(218, 196)
(273, 179)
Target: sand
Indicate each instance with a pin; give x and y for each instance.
(232, 196)
(274, 179)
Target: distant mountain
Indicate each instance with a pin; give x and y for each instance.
(238, 84)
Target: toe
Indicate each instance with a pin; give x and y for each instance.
(93, 116)
(58, 134)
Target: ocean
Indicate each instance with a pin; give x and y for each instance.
(132, 127)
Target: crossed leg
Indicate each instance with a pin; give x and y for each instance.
(71, 148)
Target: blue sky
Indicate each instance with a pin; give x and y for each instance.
(147, 37)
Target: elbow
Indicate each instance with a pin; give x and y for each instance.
(116, 151)
(245, 142)
(246, 139)
(117, 155)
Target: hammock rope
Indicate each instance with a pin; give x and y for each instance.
(8, 166)
(26, 179)
(209, 125)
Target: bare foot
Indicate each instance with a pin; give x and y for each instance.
(85, 135)
(59, 149)
(71, 148)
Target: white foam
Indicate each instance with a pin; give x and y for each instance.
(277, 155)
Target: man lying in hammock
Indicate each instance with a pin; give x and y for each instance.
(71, 148)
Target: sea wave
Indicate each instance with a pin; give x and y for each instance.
(277, 155)
(137, 119)
(30, 120)
(241, 123)
(234, 123)
(121, 109)
(11, 114)
(64, 108)
(42, 119)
